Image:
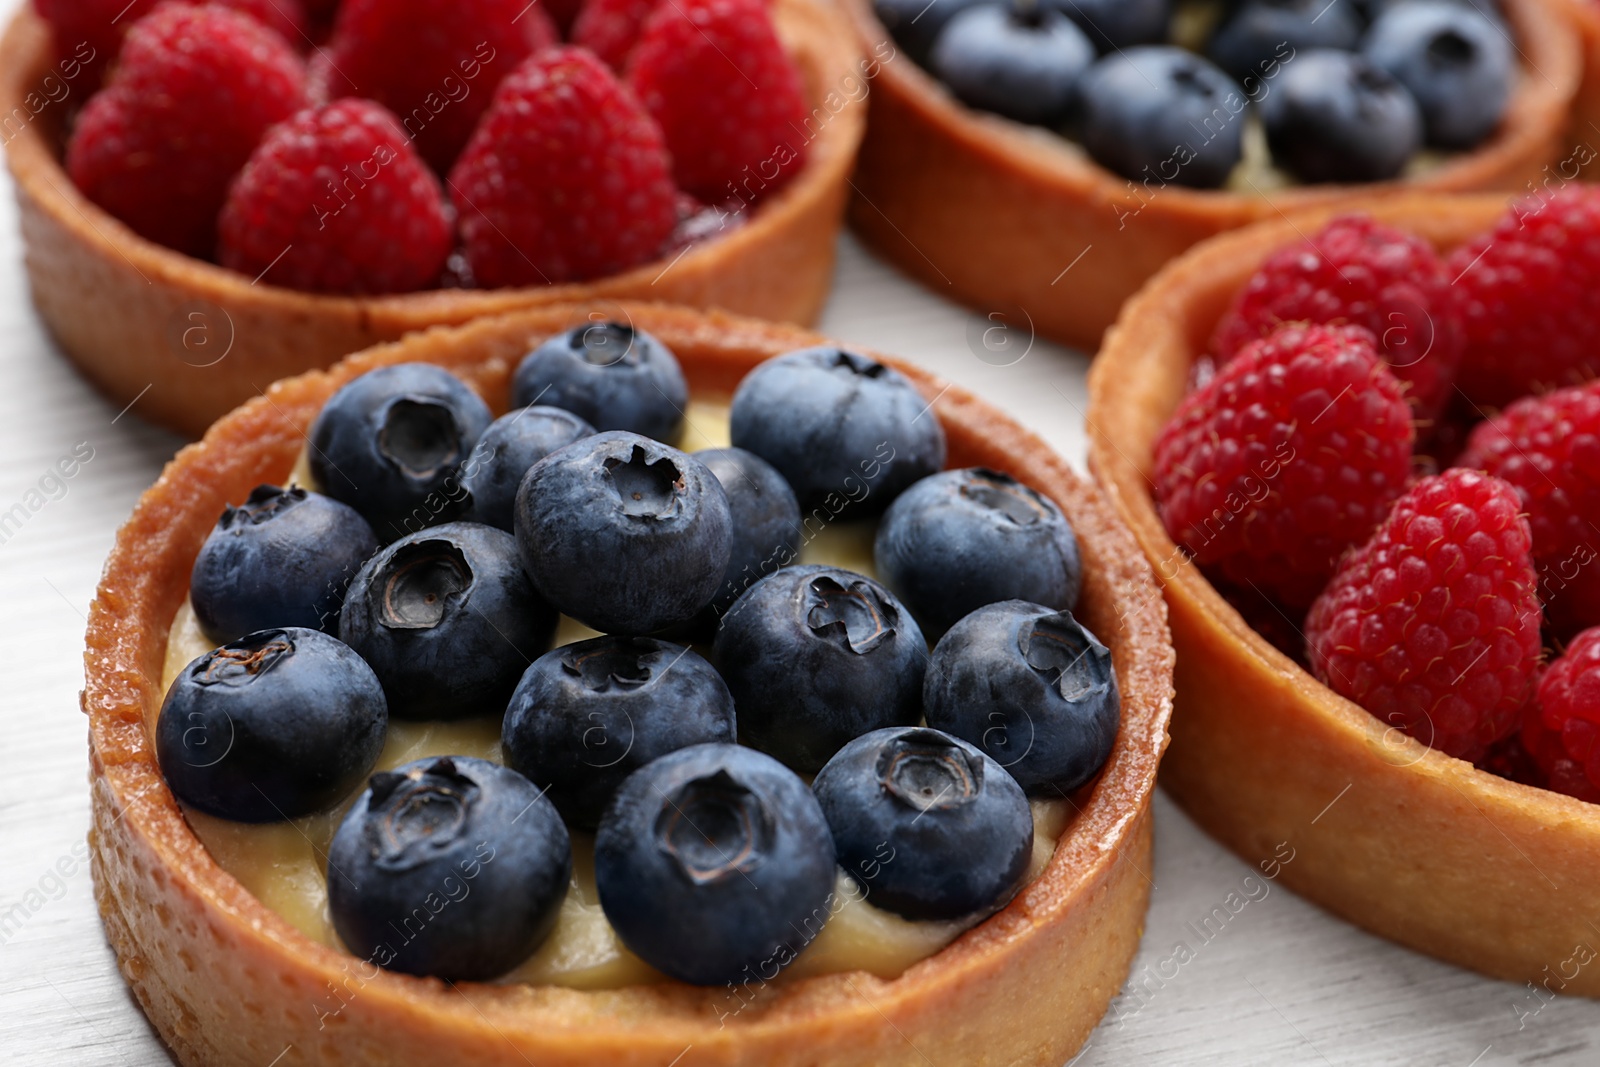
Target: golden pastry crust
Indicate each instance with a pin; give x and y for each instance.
(997, 214)
(225, 981)
(1409, 843)
(133, 314)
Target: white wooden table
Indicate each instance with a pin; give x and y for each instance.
(1282, 983)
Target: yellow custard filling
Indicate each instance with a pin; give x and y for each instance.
(283, 864)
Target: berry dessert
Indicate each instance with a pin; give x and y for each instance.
(1407, 708)
(241, 204)
(620, 822)
(1040, 161)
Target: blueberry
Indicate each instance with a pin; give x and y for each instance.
(448, 866)
(390, 444)
(1031, 687)
(929, 826)
(965, 538)
(816, 656)
(513, 443)
(845, 431)
(611, 375)
(1456, 62)
(1017, 60)
(276, 725)
(1115, 24)
(587, 715)
(1334, 117)
(282, 558)
(623, 533)
(1263, 34)
(916, 24)
(766, 521)
(448, 620)
(713, 864)
(1162, 114)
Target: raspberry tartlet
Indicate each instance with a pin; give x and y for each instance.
(227, 978)
(1401, 780)
(202, 339)
(1016, 220)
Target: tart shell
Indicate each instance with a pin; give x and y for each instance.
(1409, 843)
(134, 315)
(1014, 219)
(226, 981)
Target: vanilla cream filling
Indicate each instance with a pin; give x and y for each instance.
(284, 864)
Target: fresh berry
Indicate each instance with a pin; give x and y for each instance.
(1529, 307)
(567, 178)
(961, 539)
(278, 724)
(391, 442)
(846, 432)
(1458, 64)
(1564, 720)
(1511, 758)
(1360, 272)
(623, 533)
(766, 523)
(448, 866)
(610, 28)
(928, 826)
(1115, 24)
(1289, 456)
(816, 656)
(1433, 624)
(728, 98)
(916, 24)
(1022, 62)
(1548, 449)
(611, 375)
(1031, 687)
(194, 91)
(1335, 117)
(448, 621)
(1162, 113)
(92, 30)
(436, 69)
(282, 558)
(713, 864)
(1261, 34)
(587, 715)
(511, 445)
(336, 200)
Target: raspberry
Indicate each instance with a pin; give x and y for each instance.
(1548, 449)
(727, 96)
(1360, 272)
(101, 23)
(610, 28)
(435, 67)
(1529, 307)
(566, 179)
(1563, 724)
(194, 91)
(1433, 624)
(1288, 456)
(336, 200)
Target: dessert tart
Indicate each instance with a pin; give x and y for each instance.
(1017, 221)
(227, 979)
(1397, 837)
(203, 339)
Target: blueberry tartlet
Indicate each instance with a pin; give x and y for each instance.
(1408, 726)
(505, 869)
(385, 182)
(1042, 159)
